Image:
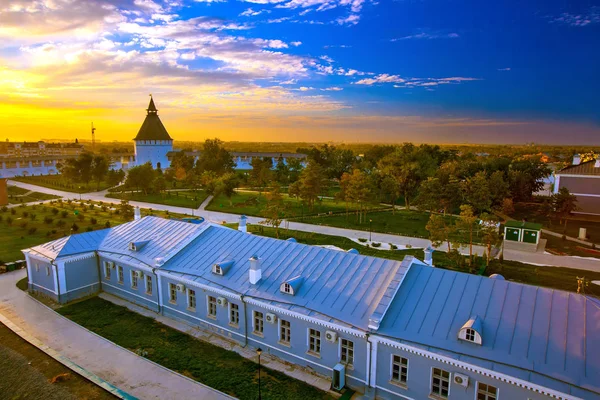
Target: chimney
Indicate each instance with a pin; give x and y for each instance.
(242, 224)
(137, 213)
(576, 159)
(428, 256)
(255, 270)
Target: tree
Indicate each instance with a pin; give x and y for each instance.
(215, 158)
(359, 188)
(99, 169)
(490, 233)
(507, 206)
(430, 195)
(311, 184)
(499, 188)
(159, 184)
(440, 230)
(126, 209)
(282, 172)
(563, 204)
(526, 177)
(114, 177)
(262, 172)
(273, 212)
(465, 225)
(141, 177)
(295, 167)
(477, 192)
(181, 165)
(226, 185)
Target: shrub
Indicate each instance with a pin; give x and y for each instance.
(54, 210)
(107, 224)
(74, 227)
(48, 220)
(409, 246)
(13, 211)
(375, 244)
(64, 214)
(33, 217)
(4, 209)
(93, 221)
(362, 240)
(24, 224)
(25, 214)
(60, 223)
(32, 230)
(89, 229)
(9, 221)
(393, 246)
(80, 216)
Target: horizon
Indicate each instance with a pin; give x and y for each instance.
(303, 71)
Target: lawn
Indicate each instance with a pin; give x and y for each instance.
(58, 182)
(39, 223)
(27, 373)
(214, 366)
(16, 195)
(187, 199)
(252, 203)
(552, 277)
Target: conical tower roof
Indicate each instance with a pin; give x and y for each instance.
(152, 128)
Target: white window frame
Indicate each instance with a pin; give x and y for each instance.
(231, 313)
(254, 322)
(120, 275)
(134, 279)
(218, 269)
(47, 271)
(470, 334)
(211, 306)
(399, 380)
(440, 396)
(316, 335)
(191, 298)
(288, 330)
(107, 270)
(172, 293)
(287, 288)
(341, 349)
(37, 267)
(488, 385)
(148, 279)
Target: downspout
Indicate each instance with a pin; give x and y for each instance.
(99, 271)
(158, 290)
(245, 321)
(57, 282)
(369, 360)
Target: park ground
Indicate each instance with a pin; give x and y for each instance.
(180, 198)
(28, 373)
(58, 182)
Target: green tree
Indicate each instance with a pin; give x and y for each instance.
(261, 173)
(114, 177)
(440, 230)
(126, 210)
(499, 188)
(295, 167)
(215, 158)
(159, 185)
(282, 172)
(465, 225)
(361, 191)
(274, 209)
(477, 192)
(312, 182)
(226, 185)
(490, 233)
(99, 171)
(141, 177)
(563, 204)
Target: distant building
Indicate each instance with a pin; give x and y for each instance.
(39, 149)
(582, 180)
(390, 329)
(153, 143)
(243, 160)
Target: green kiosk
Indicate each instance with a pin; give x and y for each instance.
(522, 232)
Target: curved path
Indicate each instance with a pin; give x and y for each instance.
(589, 264)
(113, 364)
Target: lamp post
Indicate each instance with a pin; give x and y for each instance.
(370, 221)
(259, 352)
(79, 193)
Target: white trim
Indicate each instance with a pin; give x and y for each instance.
(77, 257)
(83, 287)
(133, 294)
(43, 287)
(55, 276)
(586, 195)
(578, 176)
(394, 393)
(206, 322)
(146, 276)
(372, 360)
(479, 370)
(316, 321)
(441, 378)
(200, 285)
(140, 264)
(477, 389)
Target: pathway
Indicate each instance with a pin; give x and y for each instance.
(119, 367)
(590, 264)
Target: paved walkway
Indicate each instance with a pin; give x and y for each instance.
(121, 368)
(589, 264)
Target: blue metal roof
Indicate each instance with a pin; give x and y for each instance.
(550, 332)
(345, 286)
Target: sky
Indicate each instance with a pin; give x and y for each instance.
(424, 71)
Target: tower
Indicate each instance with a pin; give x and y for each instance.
(153, 143)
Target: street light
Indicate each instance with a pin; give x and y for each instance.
(259, 352)
(370, 221)
(79, 193)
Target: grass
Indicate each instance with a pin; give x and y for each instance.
(58, 182)
(16, 195)
(25, 232)
(214, 366)
(178, 199)
(251, 203)
(27, 374)
(551, 277)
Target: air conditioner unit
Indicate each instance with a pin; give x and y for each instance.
(461, 380)
(271, 318)
(331, 336)
(139, 274)
(180, 287)
(222, 301)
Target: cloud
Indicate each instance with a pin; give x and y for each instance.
(332, 89)
(296, 43)
(400, 82)
(351, 19)
(251, 13)
(278, 20)
(504, 69)
(381, 78)
(327, 59)
(588, 17)
(428, 35)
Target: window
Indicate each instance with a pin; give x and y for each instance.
(212, 306)
(47, 271)
(148, 284)
(107, 270)
(172, 293)
(470, 335)
(314, 341)
(399, 369)
(440, 382)
(258, 322)
(134, 280)
(287, 288)
(347, 353)
(218, 269)
(285, 332)
(37, 267)
(191, 299)
(234, 314)
(120, 273)
(486, 392)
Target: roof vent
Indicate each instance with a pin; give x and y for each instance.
(137, 246)
(291, 286)
(291, 240)
(471, 331)
(222, 267)
(352, 251)
(576, 159)
(159, 261)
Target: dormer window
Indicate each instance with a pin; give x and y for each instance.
(471, 331)
(137, 246)
(218, 270)
(222, 267)
(291, 286)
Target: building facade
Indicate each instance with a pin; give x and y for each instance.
(153, 143)
(583, 180)
(39, 149)
(389, 329)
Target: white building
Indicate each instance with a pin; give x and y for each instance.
(153, 142)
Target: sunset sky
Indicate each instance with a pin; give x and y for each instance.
(303, 70)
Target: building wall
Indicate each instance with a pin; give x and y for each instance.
(124, 289)
(42, 277)
(150, 151)
(81, 278)
(587, 190)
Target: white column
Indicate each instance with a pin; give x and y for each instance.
(372, 355)
(61, 277)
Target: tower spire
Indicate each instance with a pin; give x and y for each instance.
(151, 106)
